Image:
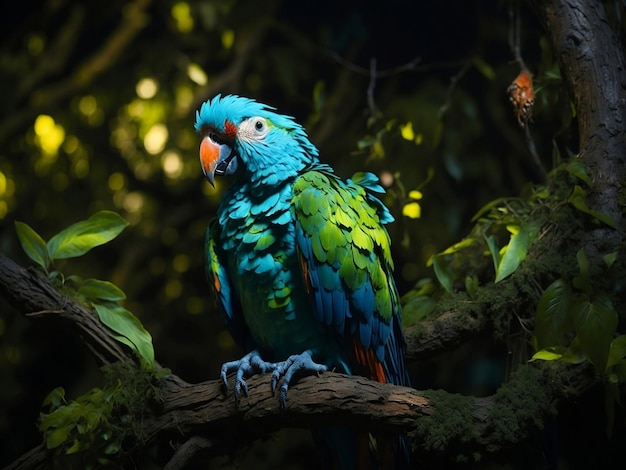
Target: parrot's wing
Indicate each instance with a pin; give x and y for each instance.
(222, 287)
(346, 262)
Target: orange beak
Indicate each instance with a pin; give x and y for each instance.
(216, 159)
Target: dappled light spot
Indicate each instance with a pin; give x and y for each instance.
(196, 74)
(172, 164)
(3, 184)
(133, 201)
(116, 181)
(80, 167)
(184, 97)
(71, 144)
(181, 263)
(228, 38)
(386, 179)
(225, 341)
(155, 139)
(88, 105)
(35, 45)
(50, 135)
(181, 12)
(173, 288)
(146, 88)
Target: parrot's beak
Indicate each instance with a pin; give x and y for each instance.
(216, 159)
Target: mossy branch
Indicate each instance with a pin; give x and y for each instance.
(203, 419)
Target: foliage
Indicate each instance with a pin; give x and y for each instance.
(575, 323)
(74, 241)
(505, 228)
(103, 424)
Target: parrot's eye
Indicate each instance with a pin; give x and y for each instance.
(260, 125)
(253, 129)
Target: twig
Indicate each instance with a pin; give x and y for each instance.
(514, 32)
(367, 71)
(453, 84)
(530, 142)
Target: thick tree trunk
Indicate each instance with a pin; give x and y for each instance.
(593, 64)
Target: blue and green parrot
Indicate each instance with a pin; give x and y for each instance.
(300, 263)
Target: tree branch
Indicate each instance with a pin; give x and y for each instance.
(203, 418)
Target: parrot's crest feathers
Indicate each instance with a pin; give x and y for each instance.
(300, 263)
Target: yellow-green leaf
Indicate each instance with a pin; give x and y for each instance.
(617, 351)
(548, 354)
(576, 167)
(34, 246)
(79, 238)
(95, 289)
(577, 199)
(443, 272)
(129, 329)
(515, 251)
(57, 436)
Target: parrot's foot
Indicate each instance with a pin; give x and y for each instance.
(246, 367)
(301, 364)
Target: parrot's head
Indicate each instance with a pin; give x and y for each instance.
(243, 136)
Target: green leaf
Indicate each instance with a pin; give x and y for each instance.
(78, 446)
(79, 238)
(129, 329)
(515, 252)
(548, 354)
(576, 167)
(492, 244)
(595, 323)
(417, 309)
(95, 289)
(617, 351)
(552, 317)
(610, 258)
(471, 286)
(488, 207)
(57, 436)
(458, 246)
(55, 398)
(577, 199)
(443, 272)
(32, 243)
(573, 354)
(113, 448)
(582, 282)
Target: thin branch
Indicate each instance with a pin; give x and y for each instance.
(515, 32)
(454, 81)
(367, 71)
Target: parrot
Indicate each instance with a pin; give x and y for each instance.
(299, 261)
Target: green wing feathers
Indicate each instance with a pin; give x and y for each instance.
(346, 257)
